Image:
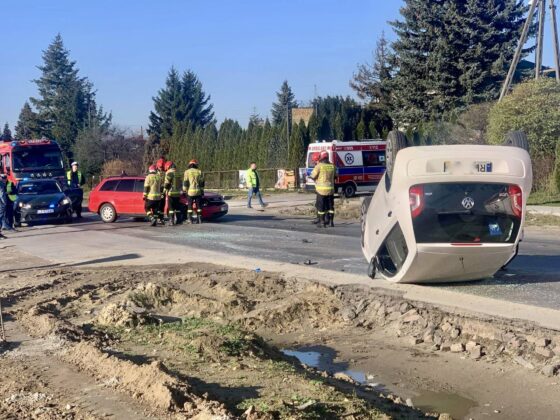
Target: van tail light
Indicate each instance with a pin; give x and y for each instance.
(416, 198)
(516, 200)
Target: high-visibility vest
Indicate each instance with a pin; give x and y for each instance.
(81, 180)
(193, 182)
(252, 178)
(152, 187)
(324, 174)
(172, 183)
(12, 192)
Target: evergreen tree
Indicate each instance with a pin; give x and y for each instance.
(450, 53)
(182, 100)
(28, 125)
(372, 130)
(313, 127)
(283, 106)
(372, 81)
(6, 133)
(66, 102)
(361, 130)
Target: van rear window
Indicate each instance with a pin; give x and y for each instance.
(464, 213)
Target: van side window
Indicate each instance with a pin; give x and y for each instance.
(139, 186)
(393, 252)
(126, 185)
(374, 158)
(109, 186)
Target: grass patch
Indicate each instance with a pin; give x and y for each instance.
(543, 198)
(534, 219)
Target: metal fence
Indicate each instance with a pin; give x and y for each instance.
(268, 178)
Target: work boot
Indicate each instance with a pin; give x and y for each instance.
(199, 219)
(171, 219)
(153, 221)
(322, 222)
(331, 220)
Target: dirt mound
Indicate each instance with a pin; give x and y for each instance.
(148, 382)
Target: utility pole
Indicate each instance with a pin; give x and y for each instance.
(555, 45)
(540, 43)
(517, 55)
(539, 51)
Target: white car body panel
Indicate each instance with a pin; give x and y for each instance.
(444, 262)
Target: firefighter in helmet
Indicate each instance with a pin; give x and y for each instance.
(193, 185)
(172, 189)
(152, 196)
(160, 168)
(323, 174)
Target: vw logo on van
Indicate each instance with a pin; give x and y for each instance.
(468, 203)
(349, 158)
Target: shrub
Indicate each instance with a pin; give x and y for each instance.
(118, 167)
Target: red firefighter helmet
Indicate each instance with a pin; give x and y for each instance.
(324, 155)
(193, 162)
(168, 165)
(160, 164)
(152, 169)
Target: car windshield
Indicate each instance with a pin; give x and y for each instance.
(466, 213)
(38, 188)
(37, 158)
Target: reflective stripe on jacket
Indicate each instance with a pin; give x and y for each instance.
(12, 191)
(152, 187)
(252, 178)
(193, 182)
(81, 179)
(324, 174)
(172, 183)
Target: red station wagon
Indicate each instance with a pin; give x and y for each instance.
(122, 196)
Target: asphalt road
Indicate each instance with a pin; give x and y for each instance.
(533, 278)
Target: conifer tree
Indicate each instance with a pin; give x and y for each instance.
(27, 126)
(6, 133)
(284, 103)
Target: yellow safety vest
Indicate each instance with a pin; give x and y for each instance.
(152, 187)
(172, 183)
(193, 182)
(323, 174)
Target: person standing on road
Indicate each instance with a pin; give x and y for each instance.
(3, 202)
(152, 196)
(172, 189)
(193, 185)
(11, 191)
(160, 167)
(76, 180)
(254, 184)
(323, 174)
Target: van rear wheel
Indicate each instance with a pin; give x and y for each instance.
(396, 141)
(349, 190)
(517, 139)
(108, 213)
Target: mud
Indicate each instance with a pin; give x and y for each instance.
(205, 341)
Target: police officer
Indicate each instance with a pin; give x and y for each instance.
(75, 181)
(323, 174)
(172, 189)
(193, 185)
(11, 190)
(152, 196)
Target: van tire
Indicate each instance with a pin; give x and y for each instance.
(349, 190)
(108, 213)
(517, 139)
(396, 141)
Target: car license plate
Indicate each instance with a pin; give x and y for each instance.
(483, 167)
(47, 211)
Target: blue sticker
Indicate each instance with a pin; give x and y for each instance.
(494, 229)
(489, 167)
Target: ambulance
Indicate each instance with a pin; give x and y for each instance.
(360, 164)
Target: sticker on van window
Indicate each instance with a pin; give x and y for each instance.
(494, 229)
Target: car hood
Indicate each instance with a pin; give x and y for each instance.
(211, 195)
(43, 200)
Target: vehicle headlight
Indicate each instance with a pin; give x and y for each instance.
(24, 206)
(65, 201)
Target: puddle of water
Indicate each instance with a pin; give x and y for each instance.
(441, 402)
(323, 360)
(322, 357)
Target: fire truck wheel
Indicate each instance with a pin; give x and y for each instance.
(517, 139)
(396, 141)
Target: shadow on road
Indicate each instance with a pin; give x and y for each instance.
(123, 257)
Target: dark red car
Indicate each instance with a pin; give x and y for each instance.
(122, 196)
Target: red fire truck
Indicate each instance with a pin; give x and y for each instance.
(31, 159)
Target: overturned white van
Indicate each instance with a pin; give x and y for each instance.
(447, 213)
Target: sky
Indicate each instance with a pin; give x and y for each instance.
(241, 50)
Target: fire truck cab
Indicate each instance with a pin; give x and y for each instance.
(31, 159)
(359, 164)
